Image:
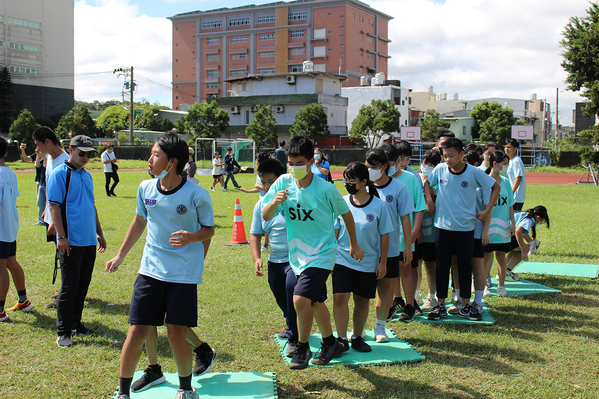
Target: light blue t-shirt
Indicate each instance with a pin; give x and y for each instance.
(9, 216)
(259, 182)
(310, 216)
(456, 198)
(397, 198)
(276, 229)
(416, 175)
(499, 229)
(515, 169)
(413, 184)
(316, 171)
(187, 207)
(51, 164)
(80, 226)
(372, 220)
(520, 220)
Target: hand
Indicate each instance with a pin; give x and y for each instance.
(407, 255)
(356, 252)
(51, 229)
(414, 236)
(64, 246)
(281, 196)
(181, 238)
(258, 267)
(113, 264)
(22, 146)
(512, 230)
(381, 270)
(485, 238)
(420, 237)
(102, 242)
(430, 208)
(525, 256)
(482, 215)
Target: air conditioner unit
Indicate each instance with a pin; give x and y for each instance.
(254, 108)
(280, 109)
(290, 79)
(235, 109)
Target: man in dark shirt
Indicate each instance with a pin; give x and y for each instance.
(280, 154)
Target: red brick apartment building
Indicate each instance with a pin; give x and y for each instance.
(209, 47)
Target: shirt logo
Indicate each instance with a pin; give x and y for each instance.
(149, 202)
(300, 214)
(501, 201)
(370, 217)
(389, 198)
(443, 181)
(465, 184)
(181, 209)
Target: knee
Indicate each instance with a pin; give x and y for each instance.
(176, 332)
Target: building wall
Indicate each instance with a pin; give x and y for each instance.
(581, 121)
(359, 96)
(423, 100)
(445, 106)
(462, 127)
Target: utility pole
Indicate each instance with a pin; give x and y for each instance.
(556, 114)
(128, 73)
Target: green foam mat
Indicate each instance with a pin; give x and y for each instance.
(215, 385)
(559, 269)
(394, 351)
(522, 287)
(487, 320)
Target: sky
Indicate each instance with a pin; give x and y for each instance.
(476, 48)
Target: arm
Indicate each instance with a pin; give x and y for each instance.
(517, 182)
(355, 250)
(253, 190)
(62, 240)
(206, 244)
(407, 233)
(255, 240)
(492, 199)
(417, 225)
(512, 223)
(381, 269)
(25, 157)
(270, 209)
(485, 233)
(430, 203)
(136, 229)
(322, 169)
(100, 233)
(181, 238)
(521, 243)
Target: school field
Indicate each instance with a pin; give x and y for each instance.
(542, 346)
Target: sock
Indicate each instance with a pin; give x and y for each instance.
(302, 344)
(478, 296)
(457, 293)
(185, 383)
(2, 306)
(417, 293)
(22, 295)
(329, 341)
(155, 367)
(432, 295)
(380, 323)
(125, 386)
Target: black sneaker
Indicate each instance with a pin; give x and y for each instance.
(301, 357)
(291, 347)
(344, 343)
(327, 353)
(418, 310)
(151, 376)
(285, 334)
(438, 312)
(408, 314)
(464, 312)
(398, 305)
(358, 344)
(82, 330)
(476, 312)
(204, 358)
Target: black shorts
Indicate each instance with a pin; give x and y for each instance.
(8, 249)
(518, 206)
(312, 284)
(514, 244)
(393, 266)
(216, 176)
(505, 247)
(416, 254)
(349, 280)
(427, 250)
(478, 250)
(153, 299)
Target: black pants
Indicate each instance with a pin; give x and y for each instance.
(282, 281)
(460, 244)
(76, 271)
(115, 177)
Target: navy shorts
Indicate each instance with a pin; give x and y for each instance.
(349, 280)
(518, 206)
(505, 247)
(153, 299)
(478, 250)
(8, 249)
(393, 266)
(427, 250)
(514, 244)
(312, 284)
(216, 176)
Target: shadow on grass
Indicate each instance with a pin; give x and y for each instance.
(559, 255)
(108, 308)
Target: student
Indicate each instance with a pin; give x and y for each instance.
(110, 169)
(230, 164)
(399, 204)
(9, 220)
(190, 169)
(516, 173)
(404, 153)
(180, 223)
(258, 188)
(217, 172)
(280, 154)
(311, 206)
(442, 136)
(430, 159)
(321, 167)
(40, 179)
(454, 218)
(489, 148)
(373, 225)
(502, 220)
(281, 278)
(526, 234)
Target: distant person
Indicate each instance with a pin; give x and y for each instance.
(40, 180)
(280, 153)
(516, 173)
(442, 136)
(217, 172)
(110, 169)
(489, 148)
(230, 164)
(321, 167)
(190, 168)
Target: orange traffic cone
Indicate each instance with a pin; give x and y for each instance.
(238, 234)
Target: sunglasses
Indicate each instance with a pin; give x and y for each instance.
(89, 154)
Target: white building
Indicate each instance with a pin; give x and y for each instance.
(37, 45)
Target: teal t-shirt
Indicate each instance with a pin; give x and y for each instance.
(499, 229)
(310, 215)
(413, 184)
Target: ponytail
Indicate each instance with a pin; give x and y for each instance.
(496, 156)
(532, 213)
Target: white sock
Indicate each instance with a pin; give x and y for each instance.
(417, 293)
(478, 296)
(432, 295)
(380, 323)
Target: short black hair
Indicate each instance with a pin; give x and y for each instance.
(390, 152)
(174, 147)
(271, 166)
(300, 146)
(472, 157)
(431, 157)
(378, 156)
(471, 147)
(261, 157)
(3, 147)
(282, 143)
(44, 133)
(453, 143)
(515, 143)
(404, 149)
(490, 144)
(445, 133)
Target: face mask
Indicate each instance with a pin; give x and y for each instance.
(503, 170)
(299, 172)
(317, 156)
(163, 174)
(426, 169)
(351, 188)
(375, 174)
(391, 171)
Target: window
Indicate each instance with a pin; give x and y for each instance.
(241, 87)
(266, 54)
(341, 53)
(269, 36)
(266, 70)
(212, 73)
(463, 130)
(330, 14)
(330, 49)
(341, 35)
(239, 21)
(319, 51)
(370, 39)
(217, 23)
(26, 47)
(1, 43)
(212, 40)
(265, 19)
(297, 33)
(319, 33)
(239, 56)
(342, 26)
(341, 16)
(239, 39)
(247, 117)
(296, 68)
(212, 95)
(297, 51)
(212, 86)
(354, 15)
(369, 55)
(329, 32)
(340, 44)
(297, 15)
(212, 57)
(25, 24)
(238, 72)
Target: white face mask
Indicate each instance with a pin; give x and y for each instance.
(374, 174)
(426, 169)
(317, 156)
(502, 169)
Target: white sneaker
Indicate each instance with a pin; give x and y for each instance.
(182, 394)
(224, 189)
(263, 248)
(351, 334)
(533, 247)
(380, 334)
(455, 308)
(510, 275)
(501, 291)
(486, 292)
(454, 297)
(429, 303)
(212, 189)
(418, 298)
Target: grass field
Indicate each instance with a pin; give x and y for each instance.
(542, 346)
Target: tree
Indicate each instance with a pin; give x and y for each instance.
(167, 125)
(310, 121)
(204, 120)
(591, 133)
(22, 129)
(9, 103)
(263, 127)
(114, 118)
(77, 121)
(494, 121)
(374, 121)
(431, 125)
(149, 119)
(581, 52)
